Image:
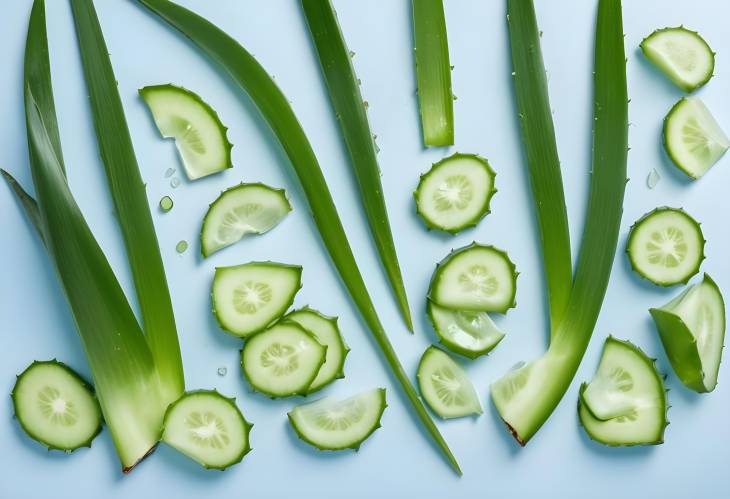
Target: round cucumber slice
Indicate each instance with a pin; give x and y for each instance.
(692, 329)
(455, 193)
(207, 427)
(56, 407)
(666, 246)
(326, 332)
(199, 135)
(240, 210)
(249, 297)
(475, 278)
(692, 137)
(471, 334)
(283, 360)
(682, 55)
(332, 424)
(445, 386)
(625, 403)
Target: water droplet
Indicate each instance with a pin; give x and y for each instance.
(653, 178)
(166, 203)
(222, 371)
(175, 182)
(519, 365)
(169, 172)
(181, 247)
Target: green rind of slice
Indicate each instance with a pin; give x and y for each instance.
(666, 246)
(455, 193)
(244, 209)
(56, 407)
(445, 386)
(208, 428)
(283, 360)
(471, 334)
(631, 408)
(247, 298)
(332, 425)
(326, 331)
(692, 330)
(682, 55)
(693, 139)
(476, 278)
(199, 135)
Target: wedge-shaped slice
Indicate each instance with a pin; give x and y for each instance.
(666, 246)
(445, 386)
(470, 334)
(332, 424)
(207, 427)
(455, 193)
(692, 137)
(249, 297)
(692, 329)
(625, 403)
(56, 407)
(283, 360)
(199, 135)
(475, 278)
(240, 210)
(326, 331)
(683, 55)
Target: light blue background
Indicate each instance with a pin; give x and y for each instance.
(397, 461)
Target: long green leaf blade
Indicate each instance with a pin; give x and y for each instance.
(541, 151)
(120, 360)
(130, 201)
(277, 112)
(433, 73)
(526, 397)
(344, 91)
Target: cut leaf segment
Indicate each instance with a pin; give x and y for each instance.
(625, 403)
(445, 386)
(455, 193)
(199, 135)
(682, 55)
(332, 424)
(666, 246)
(56, 407)
(471, 334)
(692, 329)
(209, 428)
(240, 210)
(692, 137)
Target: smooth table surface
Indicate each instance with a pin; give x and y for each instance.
(398, 461)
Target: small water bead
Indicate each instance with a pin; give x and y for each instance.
(175, 182)
(181, 247)
(222, 371)
(653, 178)
(170, 172)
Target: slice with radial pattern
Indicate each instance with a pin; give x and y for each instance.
(334, 424)
(683, 55)
(445, 386)
(471, 334)
(249, 297)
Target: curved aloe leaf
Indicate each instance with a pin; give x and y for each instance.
(526, 397)
(277, 112)
(348, 105)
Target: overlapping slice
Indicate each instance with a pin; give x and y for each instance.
(445, 385)
(333, 424)
(625, 403)
(470, 334)
(240, 210)
(692, 329)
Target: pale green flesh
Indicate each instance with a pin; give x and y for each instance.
(241, 210)
(199, 135)
(693, 138)
(666, 247)
(325, 331)
(332, 424)
(208, 428)
(249, 297)
(455, 194)
(55, 407)
(282, 360)
(445, 386)
(701, 310)
(477, 278)
(682, 55)
(467, 333)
